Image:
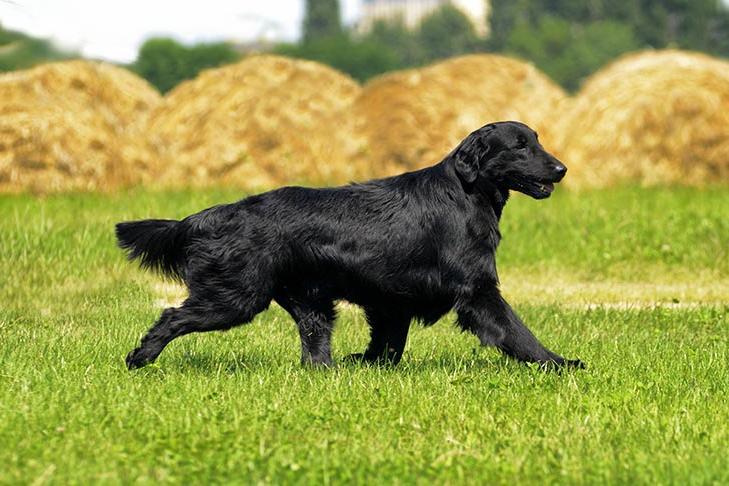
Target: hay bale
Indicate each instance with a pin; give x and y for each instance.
(66, 126)
(414, 117)
(264, 121)
(654, 117)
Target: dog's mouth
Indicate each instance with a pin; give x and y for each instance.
(544, 188)
(535, 189)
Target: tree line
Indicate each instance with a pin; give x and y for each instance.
(567, 39)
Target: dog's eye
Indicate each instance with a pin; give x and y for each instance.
(521, 142)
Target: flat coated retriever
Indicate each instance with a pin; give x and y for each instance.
(413, 246)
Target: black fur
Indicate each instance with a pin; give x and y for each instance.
(408, 247)
(158, 244)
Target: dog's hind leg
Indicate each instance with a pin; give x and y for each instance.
(388, 335)
(493, 321)
(192, 316)
(315, 319)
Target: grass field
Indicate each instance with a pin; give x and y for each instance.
(634, 282)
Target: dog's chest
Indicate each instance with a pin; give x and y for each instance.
(483, 234)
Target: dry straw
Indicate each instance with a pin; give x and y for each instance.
(652, 117)
(66, 126)
(264, 121)
(413, 118)
(656, 117)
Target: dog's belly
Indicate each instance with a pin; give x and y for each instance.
(418, 294)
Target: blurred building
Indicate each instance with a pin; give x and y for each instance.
(411, 12)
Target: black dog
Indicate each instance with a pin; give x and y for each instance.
(408, 247)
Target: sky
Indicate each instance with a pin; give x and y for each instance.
(113, 30)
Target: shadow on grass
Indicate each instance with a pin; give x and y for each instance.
(230, 363)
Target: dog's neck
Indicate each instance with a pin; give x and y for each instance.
(493, 195)
(486, 192)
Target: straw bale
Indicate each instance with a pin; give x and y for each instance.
(653, 117)
(264, 121)
(67, 125)
(414, 117)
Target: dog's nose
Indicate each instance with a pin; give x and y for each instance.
(560, 169)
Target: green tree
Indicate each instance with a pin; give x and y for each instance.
(20, 51)
(360, 58)
(569, 52)
(165, 62)
(162, 62)
(691, 24)
(392, 35)
(321, 20)
(447, 32)
(505, 16)
(570, 39)
(594, 45)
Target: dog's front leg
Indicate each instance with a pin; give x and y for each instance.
(493, 321)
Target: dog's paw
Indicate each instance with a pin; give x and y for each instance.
(137, 358)
(561, 364)
(575, 363)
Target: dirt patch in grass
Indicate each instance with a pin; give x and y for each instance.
(568, 291)
(571, 291)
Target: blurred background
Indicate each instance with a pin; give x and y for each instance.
(101, 95)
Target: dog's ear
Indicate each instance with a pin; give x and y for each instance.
(469, 154)
(466, 164)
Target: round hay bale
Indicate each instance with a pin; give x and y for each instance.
(653, 117)
(264, 121)
(66, 126)
(415, 117)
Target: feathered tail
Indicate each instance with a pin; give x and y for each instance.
(159, 244)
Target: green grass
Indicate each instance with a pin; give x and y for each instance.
(236, 406)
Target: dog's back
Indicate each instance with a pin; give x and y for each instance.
(374, 231)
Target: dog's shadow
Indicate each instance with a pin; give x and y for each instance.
(206, 363)
(211, 363)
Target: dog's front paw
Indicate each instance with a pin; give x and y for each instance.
(138, 358)
(575, 363)
(561, 363)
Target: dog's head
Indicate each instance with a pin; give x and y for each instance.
(508, 155)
